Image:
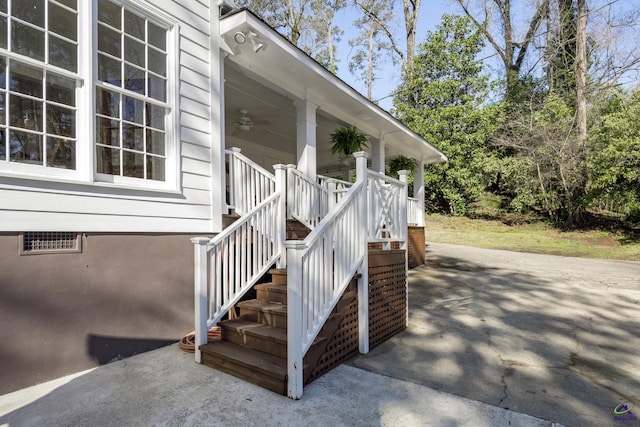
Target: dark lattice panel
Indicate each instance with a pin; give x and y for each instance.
(416, 246)
(387, 300)
(343, 346)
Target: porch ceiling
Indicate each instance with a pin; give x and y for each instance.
(267, 82)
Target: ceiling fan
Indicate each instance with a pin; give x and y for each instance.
(244, 123)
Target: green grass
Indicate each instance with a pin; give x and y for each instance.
(534, 237)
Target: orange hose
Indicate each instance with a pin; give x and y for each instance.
(188, 342)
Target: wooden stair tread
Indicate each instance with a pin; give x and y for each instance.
(265, 306)
(268, 364)
(272, 287)
(248, 327)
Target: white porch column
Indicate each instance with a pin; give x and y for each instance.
(216, 81)
(306, 137)
(378, 147)
(418, 189)
(363, 281)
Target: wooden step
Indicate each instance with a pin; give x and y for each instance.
(278, 275)
(268, 313)
(296, 230)
(265, 370)
(244, 332)
(271, 292)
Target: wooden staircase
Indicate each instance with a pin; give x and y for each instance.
(253, 346)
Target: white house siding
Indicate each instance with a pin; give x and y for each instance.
(50, 205)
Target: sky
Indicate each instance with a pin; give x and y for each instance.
(429, 17)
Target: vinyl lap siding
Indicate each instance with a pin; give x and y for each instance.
(42, 205)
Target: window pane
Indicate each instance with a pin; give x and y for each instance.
(109, 13)
(134, 79)
(31, 11)
(157, 88)
(25, 147)
(3, 32)
(25, 113)
(63, 54)
(132, 164)
(155, 116)
(25, 79)
(133, 137)
(69, 3)
(155, 142)
(133, 110)
(61, 153)
(109, 70)
(134, 51)
(108, 161)
(133, 25)
(107, 131)
(63, 22)
(3, 145)
(3, 108)
(27, 41)
(107, 103)
(155, 168)
(3, 73)
(61, 121)
(157, 36)
(61, 90)
(109, 41)
(157, 62)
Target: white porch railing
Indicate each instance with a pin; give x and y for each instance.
(387, 207)
(307, 201)
(414, 211)
(319, 270)
(228, 265)
(248, 183)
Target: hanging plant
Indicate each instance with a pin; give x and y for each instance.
(401, 162)
(347, 140)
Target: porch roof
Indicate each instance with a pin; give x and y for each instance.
(270, 59)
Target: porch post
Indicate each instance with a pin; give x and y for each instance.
(363, 230)
(418, 190)
(200, 292)
(281, 232)
(306, 137)
(216, 119)
(295, 384)
(404, 177)
(378, 148)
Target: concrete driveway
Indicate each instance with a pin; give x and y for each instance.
(553, 337)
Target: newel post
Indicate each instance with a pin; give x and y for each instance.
(295, 250)
(281, 231)
(404, 227)
(200, 292)
(363, 233)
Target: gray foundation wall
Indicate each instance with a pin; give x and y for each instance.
(63, 313)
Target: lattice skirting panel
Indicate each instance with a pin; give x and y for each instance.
(387, 295)
(387, 312)
(416, 246)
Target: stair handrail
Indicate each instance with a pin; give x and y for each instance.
(337, 188)
(307, 201)
(227, 266)
(319, 270)
(249, 184)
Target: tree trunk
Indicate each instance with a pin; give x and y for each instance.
(581, 74)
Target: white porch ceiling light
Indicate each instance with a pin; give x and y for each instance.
(241, 37)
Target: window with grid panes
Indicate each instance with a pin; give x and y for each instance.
(38, 79)
(131, 94)
(42, 117)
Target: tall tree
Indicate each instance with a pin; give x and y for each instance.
(404, 49)
(499, 30)
(581, 73)
(369, 46)
(444, 100)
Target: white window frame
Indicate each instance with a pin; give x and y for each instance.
(87, 79)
